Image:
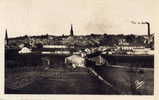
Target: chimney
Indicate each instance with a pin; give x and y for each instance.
(148, 29)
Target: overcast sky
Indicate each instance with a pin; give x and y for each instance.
(35, 17)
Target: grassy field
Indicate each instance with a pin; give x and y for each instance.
(58, 80)
(128, 81)
(62, 80)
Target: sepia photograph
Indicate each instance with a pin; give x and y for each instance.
(88, 47)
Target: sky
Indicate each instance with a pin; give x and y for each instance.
(53, 17)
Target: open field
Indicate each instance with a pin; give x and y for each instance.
(62, 80)
(55, 81)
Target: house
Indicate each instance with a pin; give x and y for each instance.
(96, 58)
(24, 50)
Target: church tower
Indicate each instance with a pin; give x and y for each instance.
(71, 31)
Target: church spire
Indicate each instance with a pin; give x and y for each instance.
(71, 31)
(6, 37)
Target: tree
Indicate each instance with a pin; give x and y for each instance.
(130, 38)
(39, 45)
(25, 36)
